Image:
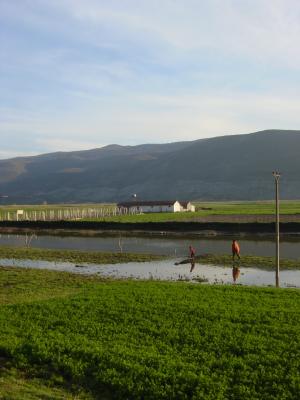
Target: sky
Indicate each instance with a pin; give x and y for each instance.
(81, 74)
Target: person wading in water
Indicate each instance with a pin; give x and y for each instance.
(235, 250)
(192, 252)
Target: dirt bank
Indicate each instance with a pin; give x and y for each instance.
(205, 228)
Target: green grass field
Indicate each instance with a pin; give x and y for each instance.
(213, 208)
(203, 209)
(77, 337)
(248, 207)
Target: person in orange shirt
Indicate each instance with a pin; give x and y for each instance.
(235, 249)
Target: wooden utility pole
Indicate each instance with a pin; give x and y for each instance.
(277, 176)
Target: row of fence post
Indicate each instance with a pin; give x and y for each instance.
(65, 214)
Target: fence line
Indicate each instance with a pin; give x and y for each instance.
(65, 214)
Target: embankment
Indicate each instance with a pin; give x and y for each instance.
(204, 228)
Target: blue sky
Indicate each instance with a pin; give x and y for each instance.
(79, 74)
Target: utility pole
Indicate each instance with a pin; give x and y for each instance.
(277, 176)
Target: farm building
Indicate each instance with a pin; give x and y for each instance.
(157, 206)
(187, 206)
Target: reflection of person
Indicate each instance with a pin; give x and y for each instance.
(192, 264)
(235, 249)
(192, 252)
(235, 273)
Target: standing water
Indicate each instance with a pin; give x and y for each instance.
(170, 246)
(167, 270)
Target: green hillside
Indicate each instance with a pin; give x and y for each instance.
(235, 167)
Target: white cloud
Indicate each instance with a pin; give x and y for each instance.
(82, 96)
(140, 119)
(260, 29)
(263, 30)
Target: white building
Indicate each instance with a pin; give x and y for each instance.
(187, 206)
(156, 206)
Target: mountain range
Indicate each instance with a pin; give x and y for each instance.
(237, 167)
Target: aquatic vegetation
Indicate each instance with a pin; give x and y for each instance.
(152, 340)
(267, 263)
(75, 256)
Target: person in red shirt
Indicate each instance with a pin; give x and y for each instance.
(192, 252)
(235, 249)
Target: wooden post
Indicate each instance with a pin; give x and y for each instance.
(277, 176)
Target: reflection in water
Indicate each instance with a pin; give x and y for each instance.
(190, 260)
(235, 273)
(166, 270)
(192, 264)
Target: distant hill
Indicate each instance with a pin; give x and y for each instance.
(237, 167)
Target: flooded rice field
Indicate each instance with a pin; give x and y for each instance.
(167, 270)
(170, 246)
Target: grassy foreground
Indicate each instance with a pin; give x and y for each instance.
(15, 385)
(78, 337)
